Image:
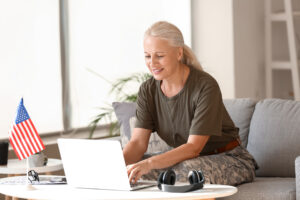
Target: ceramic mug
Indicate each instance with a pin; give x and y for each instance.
(38, 160)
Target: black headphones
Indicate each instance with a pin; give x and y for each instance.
(166, 181)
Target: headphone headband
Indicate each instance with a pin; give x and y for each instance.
(181, 188)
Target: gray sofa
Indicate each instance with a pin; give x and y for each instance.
(269, 129)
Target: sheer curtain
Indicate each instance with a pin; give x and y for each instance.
(30, 63)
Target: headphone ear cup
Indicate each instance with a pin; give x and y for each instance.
(160, 180)
(169, 177)
(202, 178)
(193, 177)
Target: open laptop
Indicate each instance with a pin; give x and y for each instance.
(96, 164)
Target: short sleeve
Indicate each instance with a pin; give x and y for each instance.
(208, 112)
(144, 118)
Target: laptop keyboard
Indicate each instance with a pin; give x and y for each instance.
(141, 184)
(136, 184)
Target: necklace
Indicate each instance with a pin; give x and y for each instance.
(182, 83)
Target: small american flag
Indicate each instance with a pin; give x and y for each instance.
(23, 136)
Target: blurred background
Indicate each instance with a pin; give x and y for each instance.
(61, 56)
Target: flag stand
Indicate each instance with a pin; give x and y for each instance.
(25, 140)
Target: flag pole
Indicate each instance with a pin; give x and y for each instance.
(27, 170)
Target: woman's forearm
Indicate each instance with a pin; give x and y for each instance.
(133, 152)
(181, 153)
(186, 151)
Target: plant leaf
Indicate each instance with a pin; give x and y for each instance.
(119, 88)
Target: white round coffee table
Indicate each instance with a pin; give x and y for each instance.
(209, 191)
(15, 166)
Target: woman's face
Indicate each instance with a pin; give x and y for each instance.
(161, 59)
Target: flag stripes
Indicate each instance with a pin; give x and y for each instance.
(31, 136)
(12, 142)
(36, 135)
(25, 140)
(20, 142)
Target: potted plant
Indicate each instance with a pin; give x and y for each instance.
(119, 89)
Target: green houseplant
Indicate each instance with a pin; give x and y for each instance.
(120, 89)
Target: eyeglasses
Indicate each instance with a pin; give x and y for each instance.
(33, 176)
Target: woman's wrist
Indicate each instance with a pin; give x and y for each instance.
(150, 163)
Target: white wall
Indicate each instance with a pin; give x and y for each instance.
(213, 41)
(249, 47)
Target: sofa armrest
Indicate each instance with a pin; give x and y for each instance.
(297, 170)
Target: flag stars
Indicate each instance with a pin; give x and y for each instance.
(22, 114)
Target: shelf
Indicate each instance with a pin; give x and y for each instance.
(282, 65)
(282, 16)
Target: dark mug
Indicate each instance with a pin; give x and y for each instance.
(3, 153)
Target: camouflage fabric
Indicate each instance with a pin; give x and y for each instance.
(233, 167)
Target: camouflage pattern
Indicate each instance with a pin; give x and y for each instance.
(233, 167)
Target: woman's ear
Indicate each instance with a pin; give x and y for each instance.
(180, 54)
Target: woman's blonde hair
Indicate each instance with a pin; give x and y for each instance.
(173, 35)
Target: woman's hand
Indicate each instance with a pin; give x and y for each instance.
(135, 171)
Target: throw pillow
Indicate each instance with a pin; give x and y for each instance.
(125, 113)
(274, 137)
(240, 111)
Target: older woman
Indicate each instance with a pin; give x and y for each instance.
(183, 104)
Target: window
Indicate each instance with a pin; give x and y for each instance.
(30, 63)
(105, 37)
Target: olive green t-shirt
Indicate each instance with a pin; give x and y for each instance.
(197, 109)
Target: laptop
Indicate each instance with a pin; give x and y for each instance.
(97, 164)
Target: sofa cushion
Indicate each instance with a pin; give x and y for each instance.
(156, 144)
(274, 137)
(240, 111)
(124, 111)
(266, 189)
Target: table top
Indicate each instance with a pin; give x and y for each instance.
(15, 166)
(68, 192)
